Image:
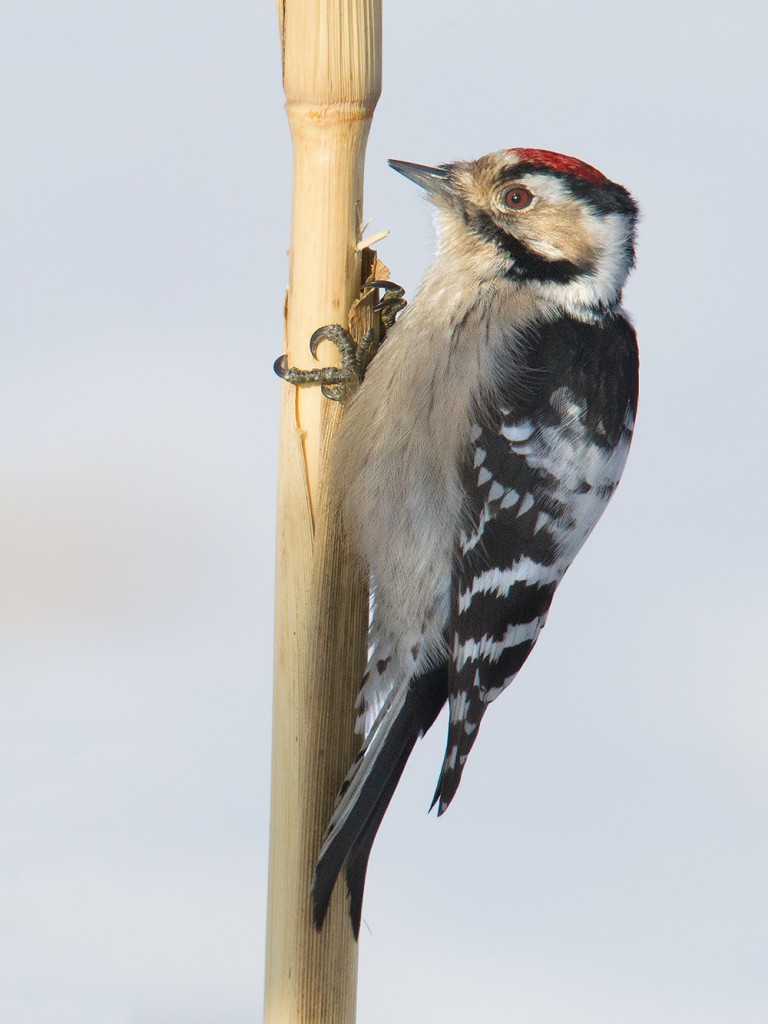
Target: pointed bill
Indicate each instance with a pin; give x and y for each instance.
(434, 180)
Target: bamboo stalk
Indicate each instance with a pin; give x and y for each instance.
(332, 80)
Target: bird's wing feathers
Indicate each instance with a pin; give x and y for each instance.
(537, 478)
(505, 576)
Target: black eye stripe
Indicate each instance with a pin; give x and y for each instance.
(526, 264)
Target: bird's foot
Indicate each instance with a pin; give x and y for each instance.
(336, 382)
(390, 304)
(339, 382)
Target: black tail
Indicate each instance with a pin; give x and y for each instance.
(384, 757)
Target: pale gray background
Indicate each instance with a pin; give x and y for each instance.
(606, 857)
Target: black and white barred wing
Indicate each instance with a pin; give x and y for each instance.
(537, 484)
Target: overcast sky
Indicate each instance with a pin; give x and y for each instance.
(605, 859)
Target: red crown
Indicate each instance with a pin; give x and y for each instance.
(558, 162)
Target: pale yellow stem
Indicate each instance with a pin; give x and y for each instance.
(332, 79)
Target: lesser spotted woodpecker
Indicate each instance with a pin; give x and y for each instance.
(479, 452)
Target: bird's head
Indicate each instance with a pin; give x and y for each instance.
(537, 218)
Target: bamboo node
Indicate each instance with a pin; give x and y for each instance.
(323, 114)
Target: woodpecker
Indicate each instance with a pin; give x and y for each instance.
(481, 448)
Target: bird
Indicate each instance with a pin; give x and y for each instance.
(475, 457)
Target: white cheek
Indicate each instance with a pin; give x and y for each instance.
(610, 236)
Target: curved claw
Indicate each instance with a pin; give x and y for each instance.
(280, 366)
(390, 303)
(334, 333)
(334, 393)
(388, 286)
(314, 341)
(393, 292)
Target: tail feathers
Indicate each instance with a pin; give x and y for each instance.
(357, 861)
(368, 789)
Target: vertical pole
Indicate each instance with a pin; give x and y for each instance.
(332, 81)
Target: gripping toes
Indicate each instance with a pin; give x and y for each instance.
(339, 382)
(390, 304)
(336, 382)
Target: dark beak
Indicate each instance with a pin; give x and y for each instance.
(434, 180)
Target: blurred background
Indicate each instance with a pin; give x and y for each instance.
(606, 856)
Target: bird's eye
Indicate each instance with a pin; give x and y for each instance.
(517, 198)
